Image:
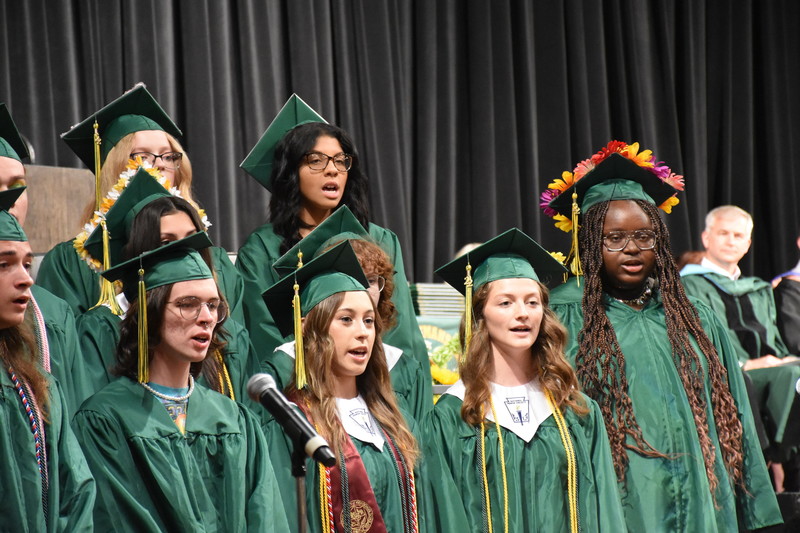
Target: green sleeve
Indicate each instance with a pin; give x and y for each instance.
(66, 275)
(98, 334)
(230, 282)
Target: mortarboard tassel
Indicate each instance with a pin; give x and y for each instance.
(107, 292)
(144, 370)
(299, 357)
(467, 309)
(574, 257)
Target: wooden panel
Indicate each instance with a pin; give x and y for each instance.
(56, 199)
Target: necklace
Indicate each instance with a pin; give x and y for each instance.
(643, 298)
(171, 398)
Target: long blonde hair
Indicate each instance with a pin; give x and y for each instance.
(550, 366)
(117, 160)
(374, 384)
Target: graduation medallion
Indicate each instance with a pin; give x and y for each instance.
(361, 516)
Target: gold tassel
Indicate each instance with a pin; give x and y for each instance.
(467, 309)
(574, 257)
(299, 358)
(144, 369)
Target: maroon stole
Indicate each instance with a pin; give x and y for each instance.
(365, 515)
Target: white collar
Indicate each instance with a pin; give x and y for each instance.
(520, 409)
(358, 422)
(706, 262)
(392, 353)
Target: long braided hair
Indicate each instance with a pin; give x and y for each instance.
(601, 363)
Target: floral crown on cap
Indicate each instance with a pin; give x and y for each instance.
(645, 159)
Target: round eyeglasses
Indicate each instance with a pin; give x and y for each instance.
(190, 307)
(171, 160)
(377, 282)
(319, 161)
(616, 241)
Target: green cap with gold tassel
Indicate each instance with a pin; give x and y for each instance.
(334, 271)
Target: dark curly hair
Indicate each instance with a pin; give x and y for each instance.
(285, 202)
(601, 363)
(551, 367)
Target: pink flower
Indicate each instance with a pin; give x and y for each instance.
(544, 201)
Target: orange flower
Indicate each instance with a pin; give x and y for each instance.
(669, 203)
(563, 183)
(643, 159)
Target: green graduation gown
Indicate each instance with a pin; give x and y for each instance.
(673, 494)
(71, 492)
(66, 361)
(536, 471)
(98, 330)
(408, 378)
(747, 307)
(255, 260)
(438, 507)
(150, 477)
(66, 275)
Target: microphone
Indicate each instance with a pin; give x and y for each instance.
(263, 389)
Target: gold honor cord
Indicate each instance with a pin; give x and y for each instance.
(324, 500)
(502, 469)
(144, 368)
(572, 471)
(223, 374)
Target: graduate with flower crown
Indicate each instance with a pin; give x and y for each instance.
(168, 453)
(660, 365)
(527, 450)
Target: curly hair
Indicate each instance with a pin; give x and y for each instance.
(19, 351)
(374, 384)
(286, 200)
(128, 346)
(550, 366)
(117, 160)
(601, 363)
(375, 262)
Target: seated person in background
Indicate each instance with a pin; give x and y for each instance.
(747, 307)
(786, 289)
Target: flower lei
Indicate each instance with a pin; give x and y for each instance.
(125, 177)
(644, 159)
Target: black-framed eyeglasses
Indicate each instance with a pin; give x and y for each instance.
(190, 307)
(171, 160)
(378, 282)
(616, 241)
(319, 161)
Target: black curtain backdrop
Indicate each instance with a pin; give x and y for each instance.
(463, 110)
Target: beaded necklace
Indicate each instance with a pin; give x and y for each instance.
(37, 428)
(169, 398)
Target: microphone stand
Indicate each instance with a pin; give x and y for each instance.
(299, 473)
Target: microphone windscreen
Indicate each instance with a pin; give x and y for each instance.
(258, 383)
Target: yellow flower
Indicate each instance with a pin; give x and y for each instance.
(563, 183)
(558, 256)
(443, 375)
(642, 159)
(669, 203)
(563, 223)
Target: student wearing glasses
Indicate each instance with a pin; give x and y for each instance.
(660, 366)
(134, 126)
(311, 168)
(168, 453)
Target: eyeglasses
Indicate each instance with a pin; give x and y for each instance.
(377, 282)
(190, 307)
(616, 241)
(171, 160)
(319, 161)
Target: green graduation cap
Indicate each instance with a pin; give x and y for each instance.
(334, 271)
(10, 230)
(171, 263)
(614, 178)
(11, 143)
(341, 225)
(141, 190)
(511, 254)
(136, 110)
(258, 162)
